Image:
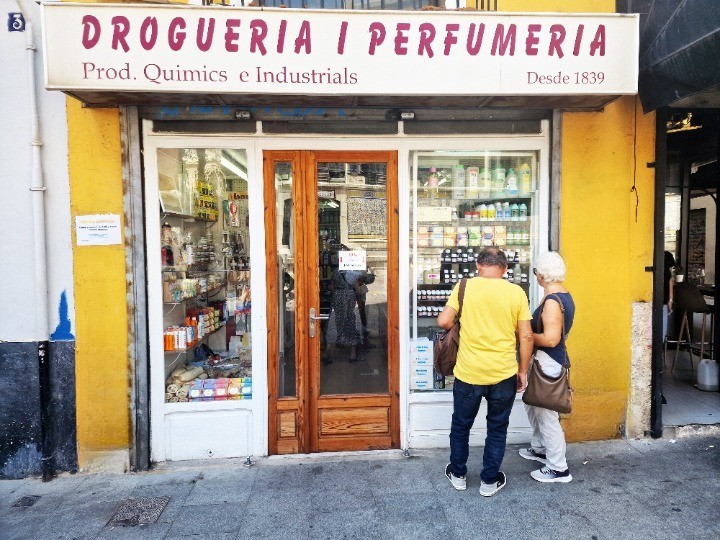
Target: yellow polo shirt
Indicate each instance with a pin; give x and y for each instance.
(491, 311)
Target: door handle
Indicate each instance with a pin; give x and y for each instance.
(315, 317)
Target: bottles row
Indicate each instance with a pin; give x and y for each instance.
(199, 322)
(500, 211)
(469, 256)
(479, 182)
(473, 236)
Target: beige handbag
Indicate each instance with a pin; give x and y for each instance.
(551, 393)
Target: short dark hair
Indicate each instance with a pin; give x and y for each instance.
(492, 256)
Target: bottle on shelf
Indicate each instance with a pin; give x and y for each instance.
(483, 211)
(514, 212)
(458, 182)
(485, 184)
(511, 183)
(498, 180)
(433, 182)
(471, 182)
(525, 179)
(499, 211)
(492, 215)
(506, 211)
(522, 212)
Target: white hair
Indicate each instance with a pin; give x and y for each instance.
(551, 267)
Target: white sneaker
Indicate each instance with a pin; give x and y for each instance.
(529, 453)
(546, 474)
(488, 490)
(458, 482)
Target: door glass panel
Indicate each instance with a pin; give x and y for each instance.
(352, 230)
(286, 279)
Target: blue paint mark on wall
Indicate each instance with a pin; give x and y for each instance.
(62, 331)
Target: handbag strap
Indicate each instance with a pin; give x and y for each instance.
(461, 296)
(564, 335)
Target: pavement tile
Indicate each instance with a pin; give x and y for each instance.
(139, 532)
(206, 520)
(359, 524)
(220, 491)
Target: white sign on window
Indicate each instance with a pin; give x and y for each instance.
(352, 260)
(281, 51)
(98, 230)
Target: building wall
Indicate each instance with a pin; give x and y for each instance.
(102, 370)
(19, 327)
(606, 239)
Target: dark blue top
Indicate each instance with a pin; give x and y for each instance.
(558, 352)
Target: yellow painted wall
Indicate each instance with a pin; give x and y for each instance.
(101, 357)
(606, 250)
(556, 6)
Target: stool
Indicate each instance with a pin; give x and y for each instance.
(689, 299)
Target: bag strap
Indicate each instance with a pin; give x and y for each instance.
(564, 335)
(461, 296)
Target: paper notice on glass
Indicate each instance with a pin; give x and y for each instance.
(352, 260)
(98, 230)
(434, 213)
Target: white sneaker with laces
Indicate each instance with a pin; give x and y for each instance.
(488, 490)
(546, 474)
(458, 482)
(530, 453)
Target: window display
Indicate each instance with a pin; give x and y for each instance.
(461, 202)
(205, 274)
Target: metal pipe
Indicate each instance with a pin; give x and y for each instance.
(37, 189)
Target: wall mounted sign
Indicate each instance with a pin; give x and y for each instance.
(98, 230)
(285, 51)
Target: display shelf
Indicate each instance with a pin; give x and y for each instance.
(186, 217)
(191, 298)
(197, 343)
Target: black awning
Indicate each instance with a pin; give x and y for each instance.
(679, 50)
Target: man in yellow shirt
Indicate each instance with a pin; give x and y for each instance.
(495, 315)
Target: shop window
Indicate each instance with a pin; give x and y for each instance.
(461, 202)
(205, 274)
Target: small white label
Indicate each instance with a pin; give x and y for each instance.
(434, 213)
(98, 230)
(352, 260)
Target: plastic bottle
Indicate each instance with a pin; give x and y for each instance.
(525, 179)
(514, 212)
(471, 182)
(483, 210)
(511, 183)
(499, 214)
(491, 215)
(485, 184)
(433, 182)
(507, 215)
(498, 180)
(458, 182)
(523, 212)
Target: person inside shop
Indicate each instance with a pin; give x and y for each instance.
(495, 317)
(345, 288)
(555, 314)
(669, 270)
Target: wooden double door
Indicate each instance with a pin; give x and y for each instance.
(332, 297)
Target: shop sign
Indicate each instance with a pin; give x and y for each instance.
(284, 51)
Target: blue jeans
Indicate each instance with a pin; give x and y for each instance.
(467, 397)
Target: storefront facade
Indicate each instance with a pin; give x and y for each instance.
(240, 221)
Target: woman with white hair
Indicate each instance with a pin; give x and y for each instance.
(548, 439)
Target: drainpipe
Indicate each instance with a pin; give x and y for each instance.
(37, 189)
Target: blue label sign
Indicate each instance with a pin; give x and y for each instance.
(16, 22)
